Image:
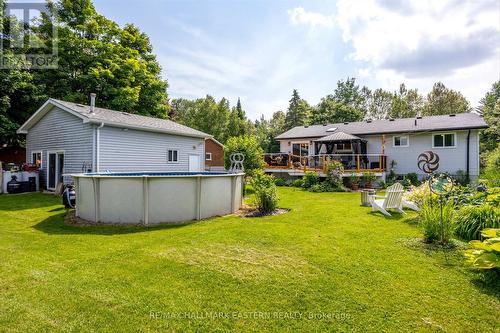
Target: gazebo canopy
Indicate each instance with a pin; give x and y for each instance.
(339, 136)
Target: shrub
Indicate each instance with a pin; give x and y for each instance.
(332, 183)
(353, 179)
(280, 182)
(298, 182)
(368, 178)
(470, 220)
(334, 172)
(493, 196)
(434, 229)
(492, 170)
(316, 188)
(310, 178)
(486, 254)
(249, 147)
(461, 177)
(266, 196)
(391, 177)
(412, 177)
(382, 184)
(465, 195)
(289, 182)
(420, 194)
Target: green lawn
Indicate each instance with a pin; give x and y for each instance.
(328, 258)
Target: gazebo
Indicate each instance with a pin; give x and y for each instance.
(346, 146)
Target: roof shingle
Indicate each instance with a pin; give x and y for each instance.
(129, 119)
(404, 125)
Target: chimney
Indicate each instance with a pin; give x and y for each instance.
(92, 102)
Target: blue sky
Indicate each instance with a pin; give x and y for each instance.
(260, 50)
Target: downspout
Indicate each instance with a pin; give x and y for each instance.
(94, 169)
(467, 175)
(97, 148)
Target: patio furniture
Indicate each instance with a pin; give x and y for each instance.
(365, 197)
(392, 200)
(410, 205)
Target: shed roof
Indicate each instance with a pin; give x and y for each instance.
(113, 118)
(383, 126)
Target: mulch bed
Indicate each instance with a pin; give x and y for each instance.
(248, 211)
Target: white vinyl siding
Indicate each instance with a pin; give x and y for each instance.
(134, 150)
(61, 131)
(451, 160)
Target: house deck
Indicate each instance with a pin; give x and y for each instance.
(298, 165)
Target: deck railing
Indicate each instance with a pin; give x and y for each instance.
(351, 162)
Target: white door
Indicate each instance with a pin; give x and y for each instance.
(194, 163)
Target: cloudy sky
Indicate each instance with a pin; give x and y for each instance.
(259, 50)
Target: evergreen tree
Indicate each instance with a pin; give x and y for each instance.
(298, 111)
(239, 111)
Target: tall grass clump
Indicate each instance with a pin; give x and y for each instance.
(434, 229)
(471, 220)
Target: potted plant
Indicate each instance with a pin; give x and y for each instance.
(368, 178)
(354, 181)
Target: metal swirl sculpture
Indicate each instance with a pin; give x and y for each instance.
(236, 162)
(428, 161)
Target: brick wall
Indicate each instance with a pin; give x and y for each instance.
(217, 154)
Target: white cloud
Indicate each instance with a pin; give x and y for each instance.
(300, 16)
(420, 42)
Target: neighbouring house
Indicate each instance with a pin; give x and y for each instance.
(214, 155)
(373, 145)
(74, 138)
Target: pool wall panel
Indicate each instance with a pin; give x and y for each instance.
(172, 199)
(143, 199)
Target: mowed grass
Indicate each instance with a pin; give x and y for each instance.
(327, 265)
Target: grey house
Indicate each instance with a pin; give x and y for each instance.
(65, 138)
(372, 145)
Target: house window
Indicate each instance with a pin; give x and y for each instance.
(36, 158)
(172, 156)
(445, 140)
(400, 141)
(208, 156)
(343, 147)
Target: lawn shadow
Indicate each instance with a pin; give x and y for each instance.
(55, 225)
(394, 216)
(488, 282)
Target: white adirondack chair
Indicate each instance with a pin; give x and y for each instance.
(393, 199)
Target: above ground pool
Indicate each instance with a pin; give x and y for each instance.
(153, 197)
